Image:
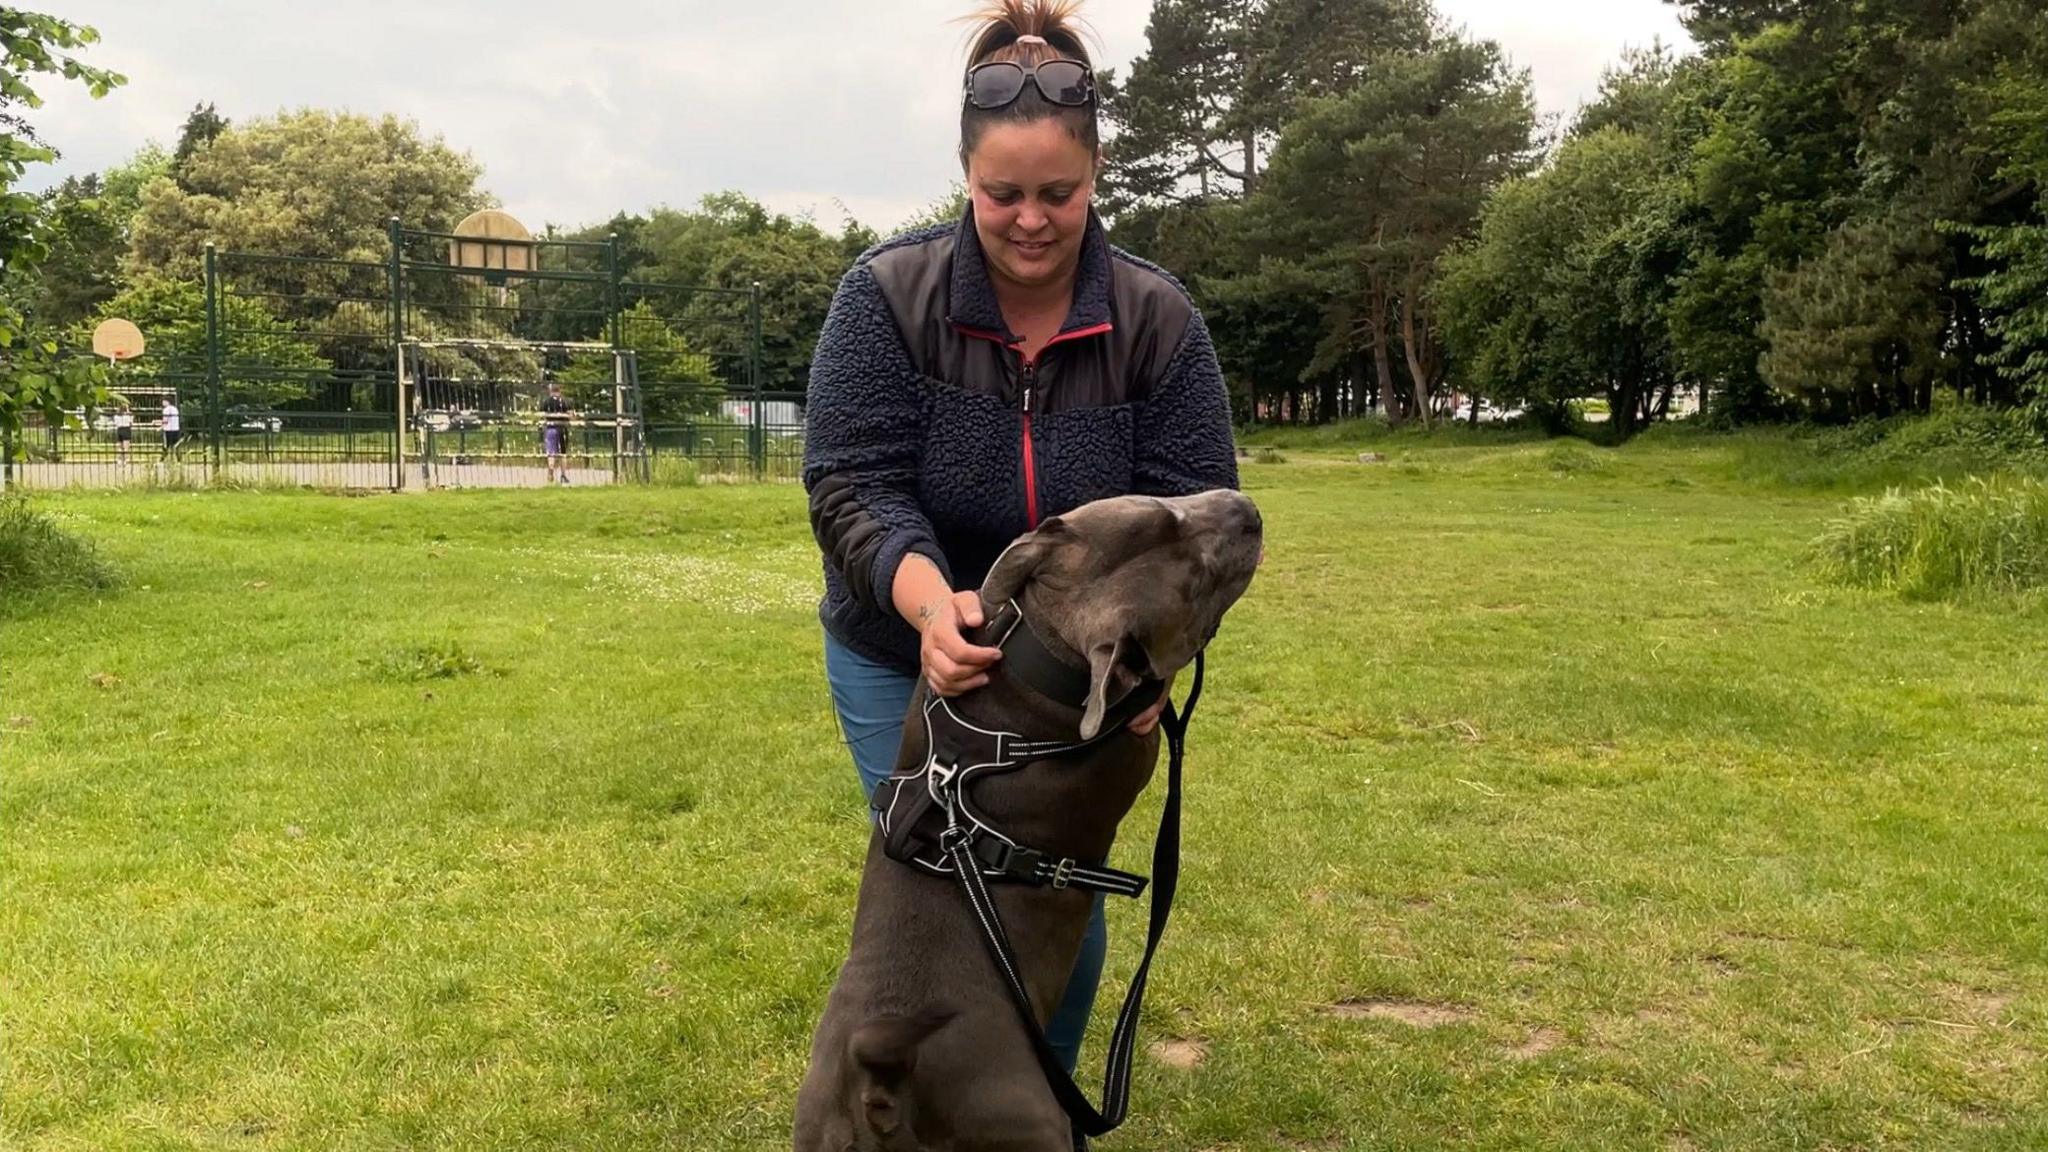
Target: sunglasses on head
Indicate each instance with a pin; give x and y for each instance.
(1067, 83)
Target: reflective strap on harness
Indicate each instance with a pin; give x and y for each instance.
(1029, 865)
(958, 842)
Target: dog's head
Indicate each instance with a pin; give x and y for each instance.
(1134, 585)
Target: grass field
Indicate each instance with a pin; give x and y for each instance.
(1539, 800)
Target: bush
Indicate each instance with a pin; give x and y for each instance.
(1982, 537)
(36, 553)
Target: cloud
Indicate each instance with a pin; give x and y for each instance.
(580, 111)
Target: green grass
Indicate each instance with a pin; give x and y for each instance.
(1371, 432)
(1669, 845)
(1981, 538)
(38, 555)
(1954, 443)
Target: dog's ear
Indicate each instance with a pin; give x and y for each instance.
(1110, 679)
(1013, 569)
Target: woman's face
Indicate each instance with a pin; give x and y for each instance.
(1031, 184)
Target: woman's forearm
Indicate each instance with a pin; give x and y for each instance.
(920, 590)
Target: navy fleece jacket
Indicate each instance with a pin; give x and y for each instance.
(927, 431)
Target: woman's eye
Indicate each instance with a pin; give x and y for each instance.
(1003, 197)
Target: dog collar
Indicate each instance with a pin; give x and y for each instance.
(1030, 661)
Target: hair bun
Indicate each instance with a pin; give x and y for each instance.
(1027, 31)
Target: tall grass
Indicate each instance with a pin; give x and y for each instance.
(36, 553)
(1951, 444)
(1351, 434)
(1984, 536)
(673, 472)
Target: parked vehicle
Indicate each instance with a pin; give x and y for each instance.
(244, 418)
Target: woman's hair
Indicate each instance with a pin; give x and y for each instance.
(997, 29)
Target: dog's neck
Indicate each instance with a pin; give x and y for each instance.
(1071, 804)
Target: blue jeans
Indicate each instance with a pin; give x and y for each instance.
(871, 700)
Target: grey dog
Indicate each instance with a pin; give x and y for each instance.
(920, 1046)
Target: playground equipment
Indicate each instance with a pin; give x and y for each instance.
(427, 369)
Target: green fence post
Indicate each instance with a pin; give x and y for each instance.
(613, 305)
(214, 403)
(394, 288)
(757, 436)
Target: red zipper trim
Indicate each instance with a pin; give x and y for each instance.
(1030, 479)
(1028, 452)
(988, 334)
(1076, 334)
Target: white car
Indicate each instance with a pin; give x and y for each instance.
(1488, 414)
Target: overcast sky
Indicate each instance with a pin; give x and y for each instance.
(578, 110)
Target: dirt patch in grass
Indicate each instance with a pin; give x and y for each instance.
(1979, 1005)
(1540, 1041)
(1414, 1013)
(1180, 1052)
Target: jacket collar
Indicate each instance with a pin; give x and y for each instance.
(971, 297)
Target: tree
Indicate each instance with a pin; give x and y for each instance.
(1220, 78)
(2011, 286)
(1271, 327)
(733, 243)
(944, 209)
(1634, 97)
(34, 376)
(1853, 330)
(121, 186)
(201, 127)
(84, 236)
(696, 270)
(676, 382)
(1368, 189)
(1719, 24)
(1808, 117)
(308, 183)
(264, 361)
(88, 219)
(1563, 293)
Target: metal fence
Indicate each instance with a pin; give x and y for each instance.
(413, 372)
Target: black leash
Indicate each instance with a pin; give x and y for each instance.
(958, 842)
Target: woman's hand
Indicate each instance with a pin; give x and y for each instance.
(952, 664)
(1144, 722)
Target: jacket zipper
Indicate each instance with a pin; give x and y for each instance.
(1030, 375)
(1030, 459)
(1029, 379)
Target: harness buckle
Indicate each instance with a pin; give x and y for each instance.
(1063, 872)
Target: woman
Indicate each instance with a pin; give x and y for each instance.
(124, 430)
(977, 377)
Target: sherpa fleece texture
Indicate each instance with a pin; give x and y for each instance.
(897, 461)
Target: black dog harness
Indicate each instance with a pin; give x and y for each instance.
(928, 821)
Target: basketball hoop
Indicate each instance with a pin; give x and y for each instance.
(117, 340)
(494, 243)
